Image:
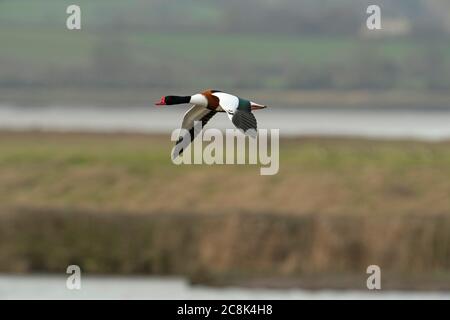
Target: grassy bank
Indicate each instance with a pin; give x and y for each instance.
(121, 97)
(116, 204)
(121, 172)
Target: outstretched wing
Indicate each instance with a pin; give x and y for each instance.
(246, 122)
(241, 116)
(196, 113)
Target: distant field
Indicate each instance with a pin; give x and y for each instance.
(49, 65)
(43, 43)
(53, 56)
(134, 173)
(116, 204)
(193, 44)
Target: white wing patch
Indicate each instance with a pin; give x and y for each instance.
(227, 102)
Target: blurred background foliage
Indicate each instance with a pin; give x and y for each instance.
(114, 203)
(252, 44)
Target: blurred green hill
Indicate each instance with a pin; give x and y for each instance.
(226, 44)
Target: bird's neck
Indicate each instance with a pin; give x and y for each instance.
(199, 99)
(178, 99)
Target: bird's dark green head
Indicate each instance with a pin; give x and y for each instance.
(171, 100)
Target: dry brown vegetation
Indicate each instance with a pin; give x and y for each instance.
(116, 204)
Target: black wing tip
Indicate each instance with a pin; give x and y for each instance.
(245, 121)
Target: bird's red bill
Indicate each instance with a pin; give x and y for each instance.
(162, 102)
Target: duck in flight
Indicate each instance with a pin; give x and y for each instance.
(205, 106)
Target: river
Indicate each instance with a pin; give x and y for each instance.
(421, 124)
(151, 288)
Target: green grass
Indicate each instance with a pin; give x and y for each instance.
(264, 60)
(134, 173)
(47, 43)
(112, 51)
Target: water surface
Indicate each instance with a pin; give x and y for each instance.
(390, 124)
(54, 287)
